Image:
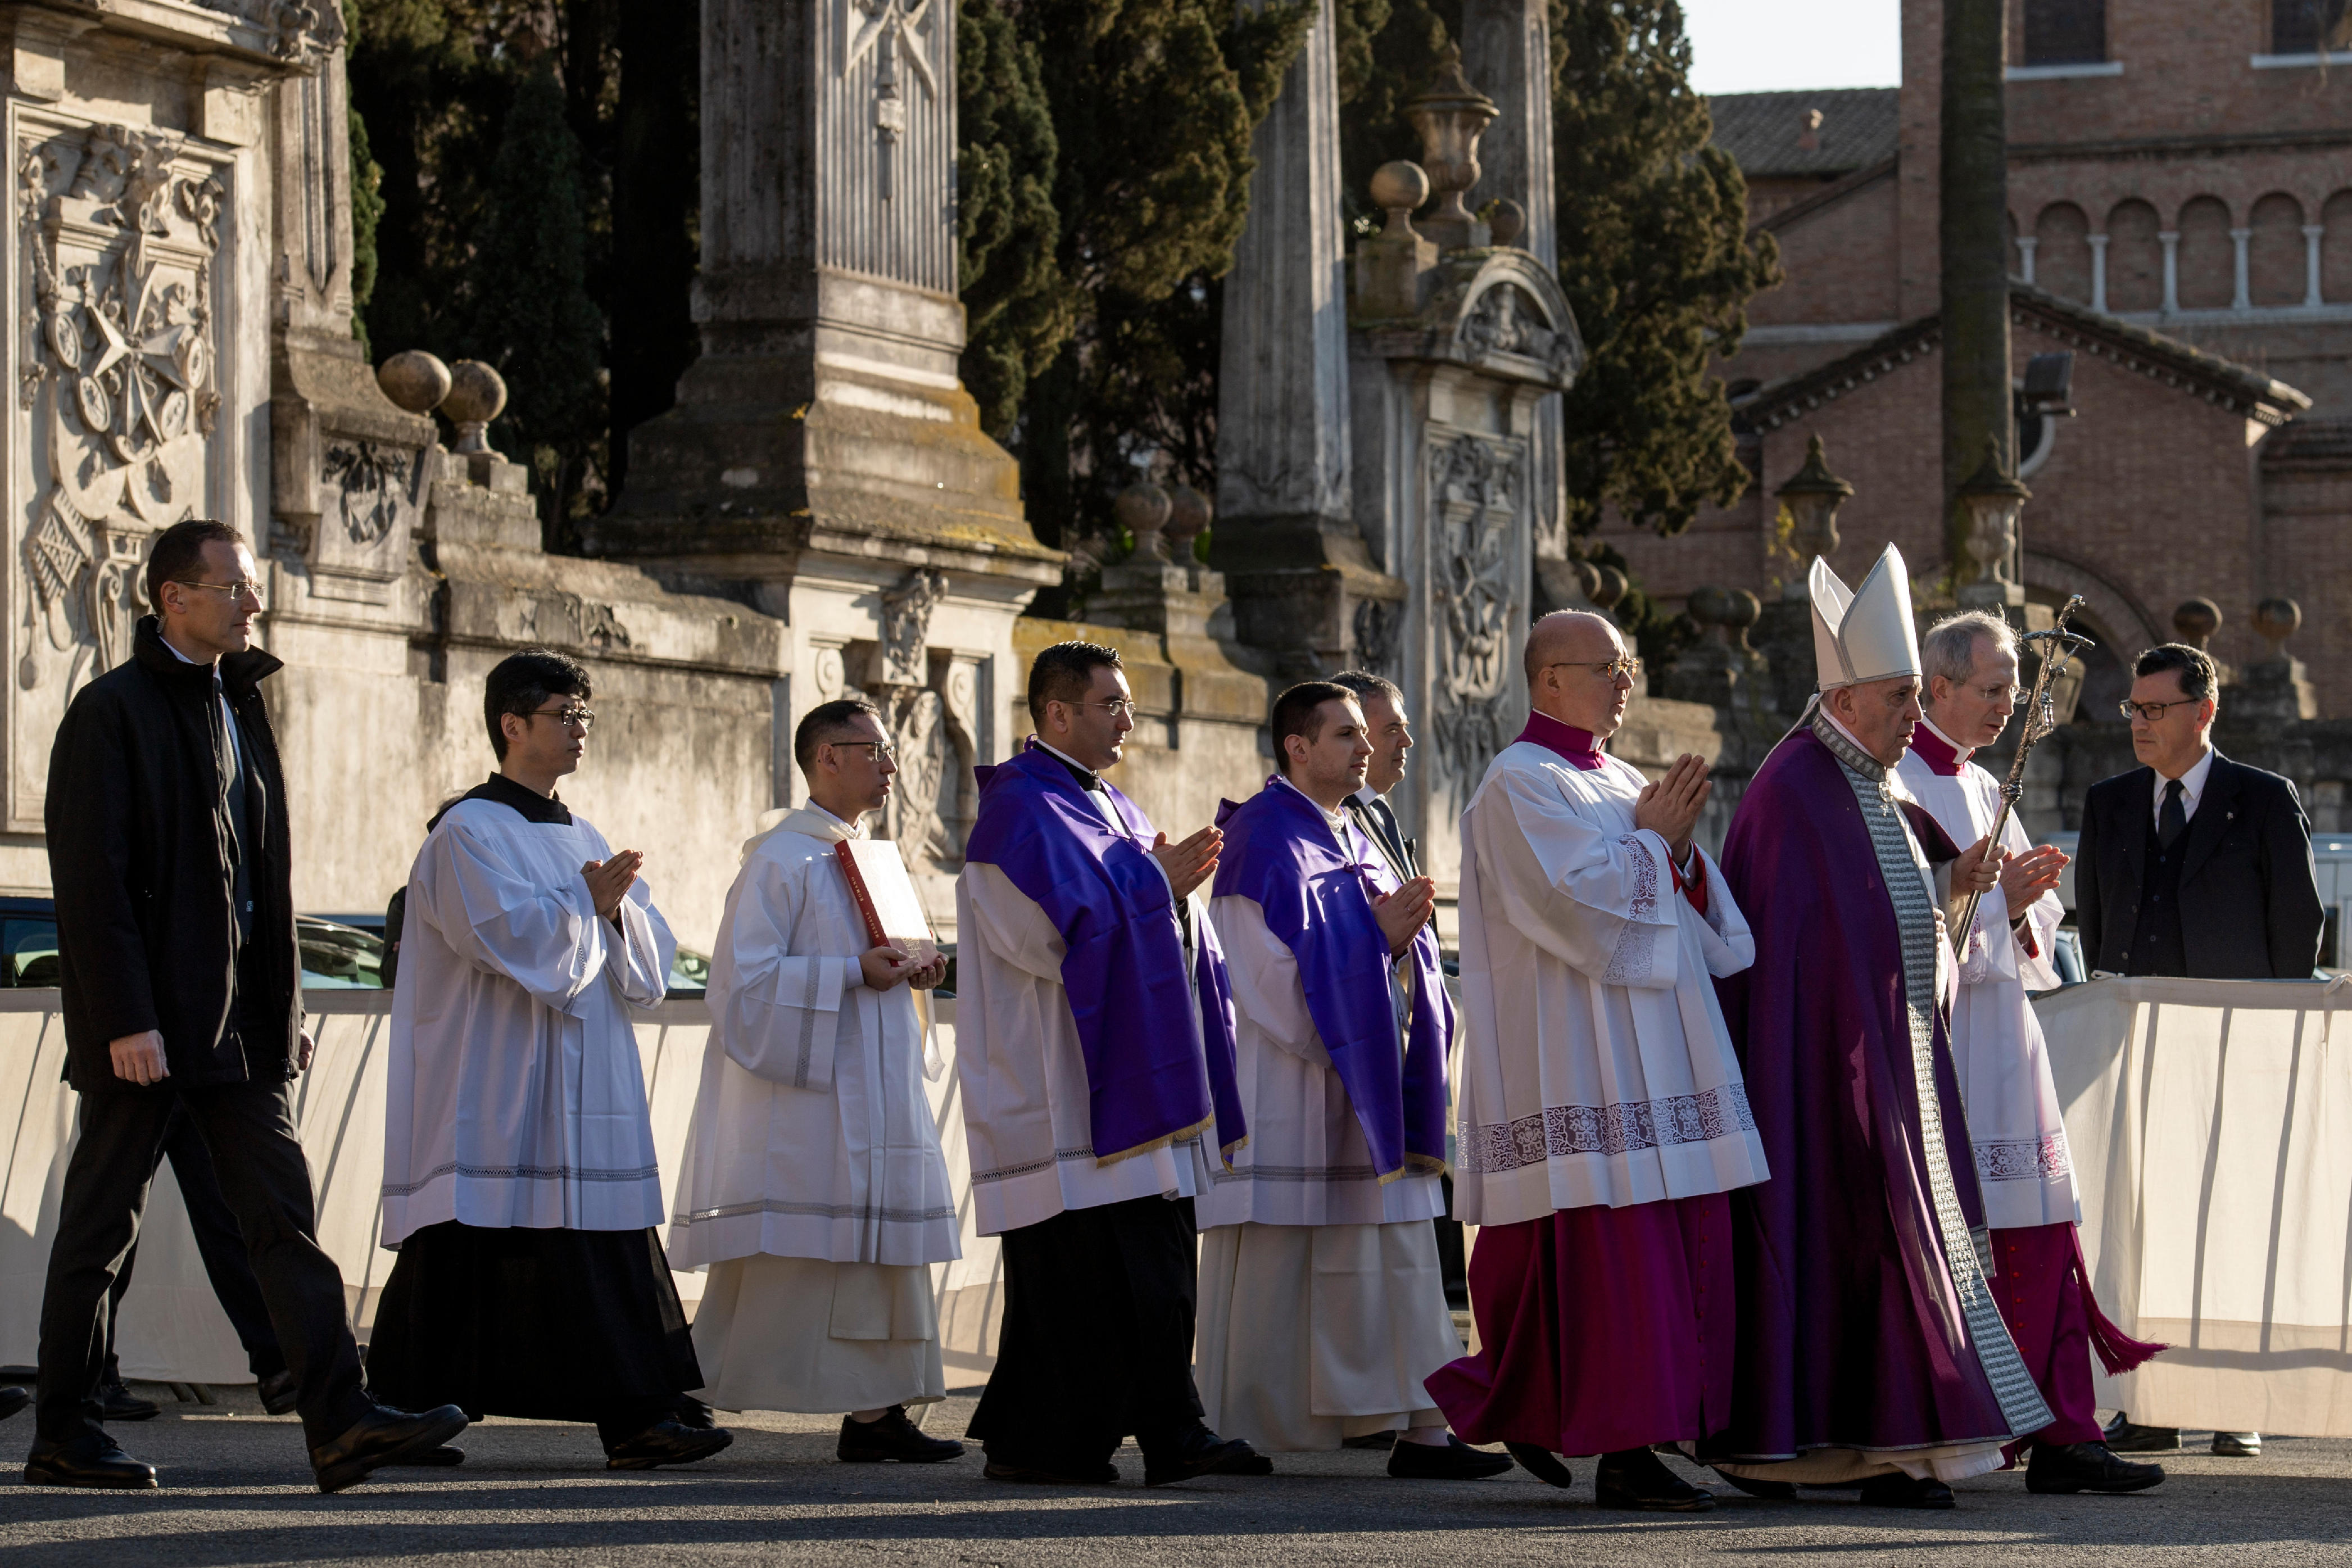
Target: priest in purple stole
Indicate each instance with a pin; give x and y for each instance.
(1602, 1112)
(1095, 1056)
(1871, 1348)
(1322, 1302)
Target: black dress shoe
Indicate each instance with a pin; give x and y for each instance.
(277, 1391)
(893, 1436)
(1541, 1464)
(666, 1442)
(1201, 1452)
(2125, 1435)
(1039, 1475)
(431, 1459)
(383, 1436)
(2067, 1468)
(692, 1412)
(11, 1400)
(117, 1402)
(2238, 1445)
(1900, 1490)
(1771, 1491)
(1457, 1461)
(1637, 1478)
(95, 1460)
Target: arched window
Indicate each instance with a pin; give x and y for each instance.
(2275, 272)
(2297, 27)
(2062, 260)
(2335, 250)
(2209, 262)
(2135, 258)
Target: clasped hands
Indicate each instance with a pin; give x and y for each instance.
(1670, 806)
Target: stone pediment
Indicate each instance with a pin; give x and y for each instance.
(1499, 312)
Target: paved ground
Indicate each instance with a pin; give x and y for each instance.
(236, 1491)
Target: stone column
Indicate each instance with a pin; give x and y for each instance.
(1298, 570)
(1507, 50)
(2313, 233)
(2026, 244)
(822, 460)
(2170, 239)
(2098, 270)
(2241, 298)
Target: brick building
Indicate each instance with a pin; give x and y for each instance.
(2180, 211)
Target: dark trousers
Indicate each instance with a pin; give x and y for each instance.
(1098, 1336)
(248, 1128)
(218, 1242)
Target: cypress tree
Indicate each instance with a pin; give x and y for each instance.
(531, 316)
(367, 215)
(1018, 307)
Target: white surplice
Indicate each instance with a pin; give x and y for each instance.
(1322, 1307)
(814, 1186)
(1022, 1073)
(514, 1095)
(2015, 1122)
(1596, 1068)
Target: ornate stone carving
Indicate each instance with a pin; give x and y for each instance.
(302, 32)
(1476, 491)
(1376, 622)
(118, 231)
(905, 623)
(891, 30)
(372, 484)
(1505, 319)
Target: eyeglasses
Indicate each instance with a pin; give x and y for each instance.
(1117, 707)
(884, 752)
(2154, 712)
(1611, 669)
(235, 591)
(581, 717)
(1999, 693)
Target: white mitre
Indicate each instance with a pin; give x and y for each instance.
(1867, 635)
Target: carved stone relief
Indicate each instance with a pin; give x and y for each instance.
(1376, 624)
(1478, 487)
(119, 230)
(892, 31)
(1506, 319)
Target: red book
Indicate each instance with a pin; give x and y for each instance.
(886, 900)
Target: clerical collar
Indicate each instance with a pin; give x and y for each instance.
(545, 809)
(1845, 748)
(1335, 820)
(1938, 751)
(1084, 778)
(855, 828)
(1574, 746)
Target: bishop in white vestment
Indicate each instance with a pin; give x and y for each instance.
(1601, 1108)
(815, 1191)
(1323, 1305)
(2015, 1123)
(520, 1188)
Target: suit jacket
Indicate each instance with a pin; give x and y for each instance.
(2249, 900)
(1380, 823)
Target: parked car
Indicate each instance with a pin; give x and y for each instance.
(340, 952)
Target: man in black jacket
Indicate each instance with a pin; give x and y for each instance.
(167, 840)
(2195, 866)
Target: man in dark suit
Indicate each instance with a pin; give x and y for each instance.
(2192, 832)
(1386, 725)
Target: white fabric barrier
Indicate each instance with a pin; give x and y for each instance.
(2210, 1124)
(173, 1330)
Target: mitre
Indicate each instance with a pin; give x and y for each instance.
(1866, 634)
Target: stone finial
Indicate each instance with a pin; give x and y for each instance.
(1506, 219)
(1609, 586)
(414, 381)
(1392, 265)
(1398, 188)
(1708, 606)
(2196, 621)
(1142, 510)
(1188, 514)
(1993, 498)
(2276, 620)
(1740, 611)
(476, 396)
(1449, 115)
(1813, 496)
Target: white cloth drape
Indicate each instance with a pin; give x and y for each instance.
(818, 1338)
(813, 1137)
(1595, 1065)
(1023, 1075)
(514, 1095)
(2024, 1166)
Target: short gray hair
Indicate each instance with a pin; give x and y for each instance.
(1364, 683)
(1949, 649)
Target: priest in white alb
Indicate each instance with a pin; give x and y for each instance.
(814, 1189)
(2015, 1123)
(520, 1188)
(1322, 1303)
(1602, 1114)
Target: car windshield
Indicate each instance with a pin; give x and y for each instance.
(338, 957)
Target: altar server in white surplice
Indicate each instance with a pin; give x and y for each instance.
(1322, 1304)
(815, 1190)
(520, 1187)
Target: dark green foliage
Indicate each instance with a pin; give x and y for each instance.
(1018, 309)
(532, 317)
(1656, 260)
(367, 215)
(657, 201)
(1387, 50)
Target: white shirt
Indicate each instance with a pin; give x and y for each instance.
(2192, 789)
(228, 714)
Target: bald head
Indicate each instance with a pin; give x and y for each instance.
(1566, 651)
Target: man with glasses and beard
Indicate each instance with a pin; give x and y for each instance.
(1094, 1051)
(2192, 830)
(519, 1183)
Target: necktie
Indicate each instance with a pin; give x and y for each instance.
(2172, 821)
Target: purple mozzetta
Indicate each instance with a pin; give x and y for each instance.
(1159, 1068)
(1281, 854)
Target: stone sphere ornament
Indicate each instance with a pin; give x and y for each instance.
(2275, 620)
(415, 380)
(476, 396)
(1188, 514)
(1506, 220)
(2196, 621)
(1142, 510)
